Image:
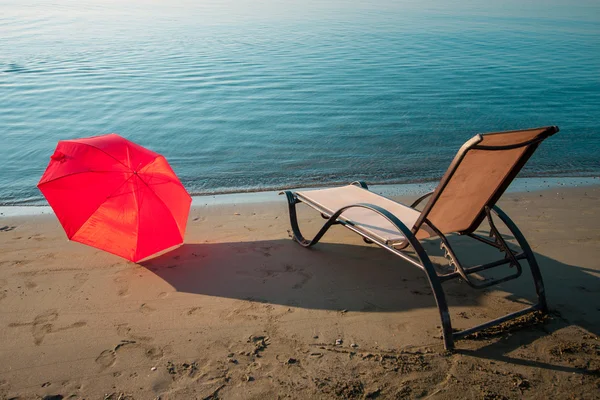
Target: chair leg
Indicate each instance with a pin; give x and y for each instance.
(438, 293)
(533, 265)
(541, 304)
(297, 235)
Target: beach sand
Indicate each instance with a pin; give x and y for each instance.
(241, 312)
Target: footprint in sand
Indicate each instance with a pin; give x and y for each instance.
(16, 263)
(2, 290)
(43, 324)
(305, 277)
(125, 330)
(153, 352)
(30, 285)
(79, 279)
(193, 310)
(244, 310)
(146, 309)
(266, 274)
(265, 250)
(122, 286)
(106, 359)
(37, 237)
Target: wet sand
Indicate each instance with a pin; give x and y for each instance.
(240, 311)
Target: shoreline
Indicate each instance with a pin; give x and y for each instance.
(519, 185)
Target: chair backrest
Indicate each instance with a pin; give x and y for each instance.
(479, 174)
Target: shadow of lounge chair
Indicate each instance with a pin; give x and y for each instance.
(465, 197)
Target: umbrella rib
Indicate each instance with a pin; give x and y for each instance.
(99, 149)
(163, 203)
(168, 179)
(81, 172)
(100, 205)
(141, 170)
(139, 207)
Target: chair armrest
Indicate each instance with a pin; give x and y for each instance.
(360, 184)
(420, 199)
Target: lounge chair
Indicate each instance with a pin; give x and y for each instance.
(467, 194)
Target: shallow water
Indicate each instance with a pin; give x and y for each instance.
(242, 95)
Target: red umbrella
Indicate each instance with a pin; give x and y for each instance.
(113, 194)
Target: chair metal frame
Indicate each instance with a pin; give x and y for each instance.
(489, 212)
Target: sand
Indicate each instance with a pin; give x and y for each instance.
(241, 312)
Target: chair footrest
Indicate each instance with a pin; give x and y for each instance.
(483, 267)
(497, 321)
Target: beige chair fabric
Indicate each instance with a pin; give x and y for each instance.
(330, 200)
(477, 177)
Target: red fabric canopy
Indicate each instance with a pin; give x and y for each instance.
(113, 194)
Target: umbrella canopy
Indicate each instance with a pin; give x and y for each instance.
(115, 195)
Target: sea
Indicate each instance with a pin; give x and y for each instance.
(246, 95)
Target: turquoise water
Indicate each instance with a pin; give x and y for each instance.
(245, 95)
